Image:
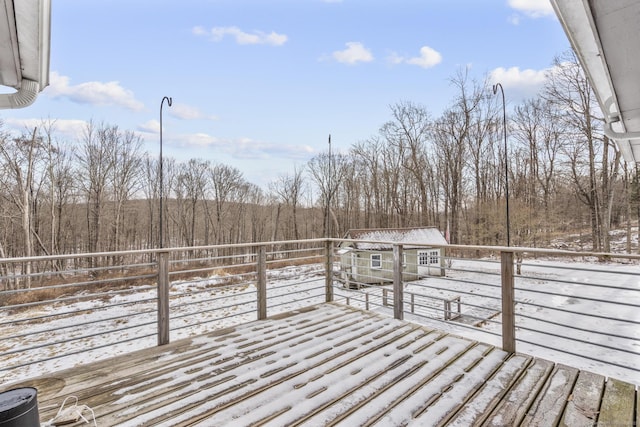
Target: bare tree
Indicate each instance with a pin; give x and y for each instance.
(287, 190)
(95, 164)
(20, 156)
(409, 133)
(151, 191)
(59, 178)
(592, 168)
(227, 181)
(537, 131)
(484, 130)
(257, 216)
(189, 188)
(451, 137)
(326, 172)
(124, 178)
(367, 163)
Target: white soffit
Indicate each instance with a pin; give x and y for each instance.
(24, 49)
(605, 34)
(10, 73)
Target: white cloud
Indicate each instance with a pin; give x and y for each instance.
(532, 8)
(256, 37)
(243, 147)
(187, 112)
(395, 59)
(151, 126)
(93, 93)
(199, 31)
(248, 148)
(354, 53)
(524, 83)
(70, 128)
(198, 140)
(428, 58)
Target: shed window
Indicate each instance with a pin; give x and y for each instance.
(376, 261)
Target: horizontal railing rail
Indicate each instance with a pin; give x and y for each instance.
(90, 306)
(576, 308)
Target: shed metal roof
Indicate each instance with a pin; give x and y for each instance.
(421, 235)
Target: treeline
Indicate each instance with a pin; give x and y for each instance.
(102, 192)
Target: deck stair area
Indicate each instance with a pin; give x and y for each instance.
(330, 364)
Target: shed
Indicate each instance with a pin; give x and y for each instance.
(366, 255)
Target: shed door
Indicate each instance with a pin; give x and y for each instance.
(428, 262)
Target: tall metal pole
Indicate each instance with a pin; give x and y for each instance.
(506, 154)
(328, 217)
(169, 100)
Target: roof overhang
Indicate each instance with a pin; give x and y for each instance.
(606, 38)
(24, 50)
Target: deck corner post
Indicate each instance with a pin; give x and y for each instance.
(262, 282)
(398, 297)
(328, 284)
(163, 298)
(508, 303)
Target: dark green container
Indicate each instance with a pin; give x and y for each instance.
(19, 408)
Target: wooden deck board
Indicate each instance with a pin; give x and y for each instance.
(334, 365)
(491, 392)
(548, 407)
(617, 408)
(514, 405)
(583, 404)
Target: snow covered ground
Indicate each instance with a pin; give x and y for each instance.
(127, 321)
(553, 299)
(583, 314)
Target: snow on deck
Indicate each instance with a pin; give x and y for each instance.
(333, 365)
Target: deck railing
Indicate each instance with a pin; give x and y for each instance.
(580, 309)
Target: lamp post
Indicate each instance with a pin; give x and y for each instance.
(506, 154)
(328, 218)
(169, 100)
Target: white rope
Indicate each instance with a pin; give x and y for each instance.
(70, 414)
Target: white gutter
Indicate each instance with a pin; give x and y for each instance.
(612, 134)
(24, 97)
(25, 38)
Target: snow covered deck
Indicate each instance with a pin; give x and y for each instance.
(334, 365)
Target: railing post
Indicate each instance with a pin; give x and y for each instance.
(262, 282)
(163, 298)
(398, 297)
(328, 283)
(508, 308)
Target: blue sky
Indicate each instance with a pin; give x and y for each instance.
(259, 85)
